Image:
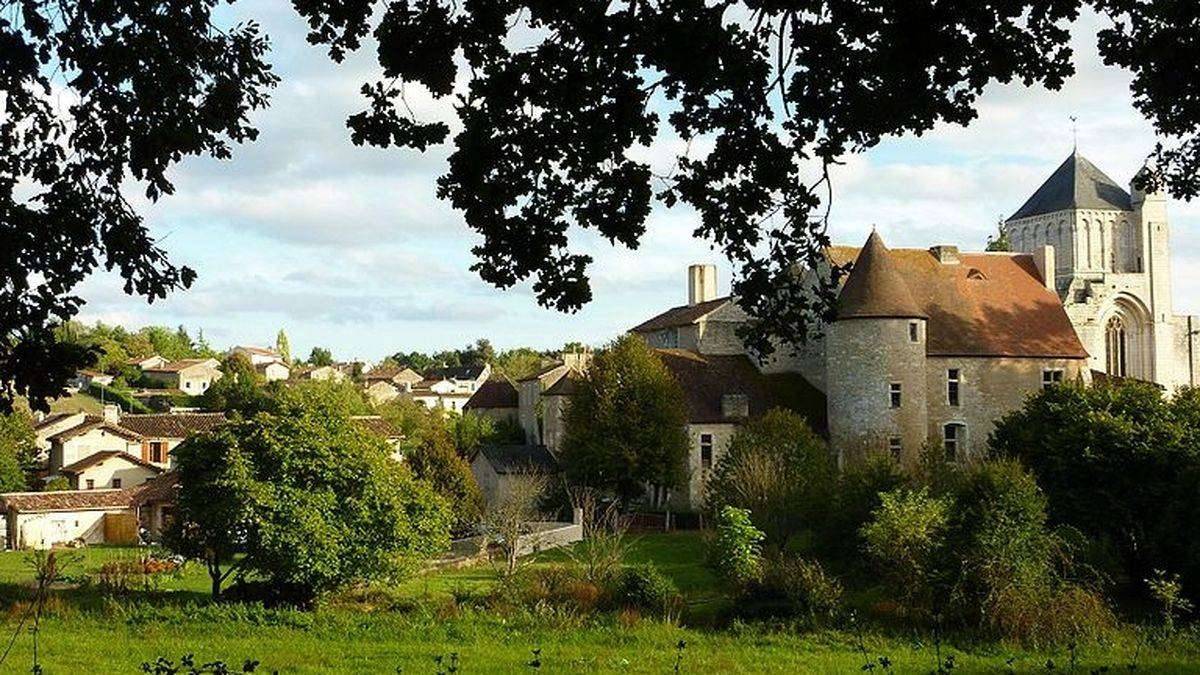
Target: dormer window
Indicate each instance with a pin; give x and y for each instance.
(976, 274)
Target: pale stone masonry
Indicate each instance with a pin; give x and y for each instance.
(1112, 270)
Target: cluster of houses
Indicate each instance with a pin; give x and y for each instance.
(928, 347)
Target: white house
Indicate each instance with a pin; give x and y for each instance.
(109, 469)
(191, 376)
(95, 435)
(46, 519)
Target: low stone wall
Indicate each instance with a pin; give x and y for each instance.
(543, 536)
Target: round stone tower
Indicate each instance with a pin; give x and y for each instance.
(875, 362)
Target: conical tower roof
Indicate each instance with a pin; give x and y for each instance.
(875, 289)
(1075, 184)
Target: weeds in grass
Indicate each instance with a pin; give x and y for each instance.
(1168, 592)
(187, 666)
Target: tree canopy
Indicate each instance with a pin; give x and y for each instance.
(625, 423)
(102, 99)
(553, 99)
(556, 95)
(309, 500)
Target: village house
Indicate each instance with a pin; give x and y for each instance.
(45, 519)
(52, 424)
(457, 379)
(440, 394)
(531, 388)
(95, 434)
(190, 376)
(319, 373)
(402, 377)
(497, 399)
(496, 467)
(146, 362)
(108, 469)
(267, 362)
(86, 378)
(163, 432)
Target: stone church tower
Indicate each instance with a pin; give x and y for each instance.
(1112, 269)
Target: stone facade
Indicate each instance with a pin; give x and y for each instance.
(1113, 274)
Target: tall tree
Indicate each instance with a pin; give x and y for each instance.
(127, 109)
(777, 92)
(283, 346)
(625, 423)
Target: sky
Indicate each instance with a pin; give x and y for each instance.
(348, 248)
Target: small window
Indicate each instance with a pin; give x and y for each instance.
(116, 483)
(895, 447)
(953, 379)
(158, 452)
(706, 451)
(91, 484)
(954, 435)
(1051, 377)
(914, 331)
(894, 394)
(187, 385)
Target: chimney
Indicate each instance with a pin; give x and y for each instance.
(112, 413)
(945, 254)
(735, 406)
(702, 283)
(1043, 259)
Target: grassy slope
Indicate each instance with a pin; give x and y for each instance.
(76, 402)
(89, 634)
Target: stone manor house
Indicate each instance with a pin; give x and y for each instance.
(933, 345)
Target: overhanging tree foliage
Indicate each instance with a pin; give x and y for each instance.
(557, 94)
(99, 99)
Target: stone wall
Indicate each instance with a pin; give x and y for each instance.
(691, 497)
(864, 357)
(989, 388)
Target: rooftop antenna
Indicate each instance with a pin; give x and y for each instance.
(1074, 135)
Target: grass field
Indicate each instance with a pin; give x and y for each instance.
(407, 626)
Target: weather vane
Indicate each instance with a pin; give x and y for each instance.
(1074, 134)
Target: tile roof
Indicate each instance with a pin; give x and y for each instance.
(94, 422)
(1075, 184)
(176, 366)
(99, 457)
(378, 425)
(510, 459)
(66, 500)
(456, 373)
(706, 378)
(874, 288)
(988, 304)
(52, 419)
(565, 386)
(172, 425)
(543, 371)
(493, 394)
(160, 488)
(684, 315)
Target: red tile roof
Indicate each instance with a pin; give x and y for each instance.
(684, 315)
(988, 304)
(378, 425)
(94, 422)
(99, 457)
(874, 288)
(66, 500)
(176, 366)
(706, 378)
(158, 489)
(493, 394)
(172, 425)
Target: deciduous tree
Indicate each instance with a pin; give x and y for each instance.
(625, 423)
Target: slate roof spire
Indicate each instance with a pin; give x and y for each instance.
(1075, 184)
(875, 289)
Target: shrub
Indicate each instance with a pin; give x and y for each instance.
(644, 588)
(737, 553)
(804, 586)
(857, 497)
(1168, 593)
(905, 537)
(780, 470)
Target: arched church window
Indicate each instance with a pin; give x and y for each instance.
(1115, 346)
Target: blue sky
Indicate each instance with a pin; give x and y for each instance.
(348, 247)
